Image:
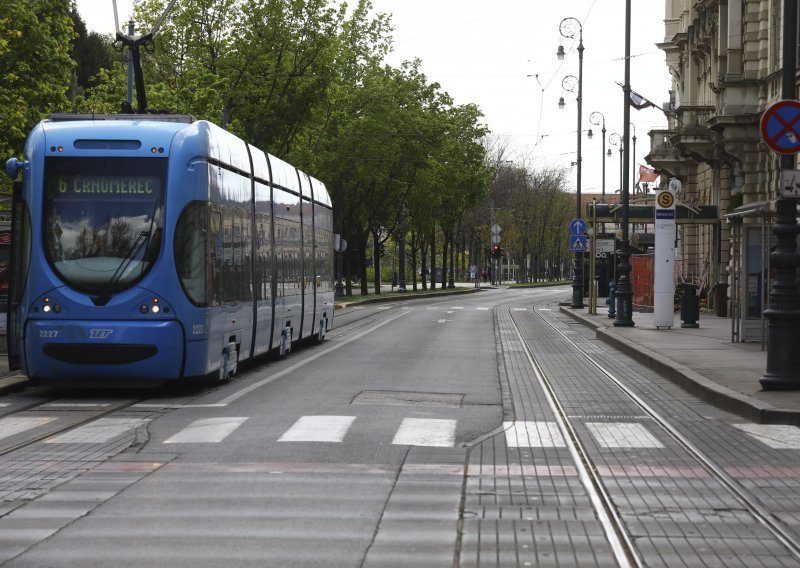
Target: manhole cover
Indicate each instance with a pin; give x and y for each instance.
(407, 398)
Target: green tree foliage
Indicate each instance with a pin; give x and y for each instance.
(91, 52)
(35, 63)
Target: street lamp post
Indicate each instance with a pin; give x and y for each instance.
(598, 118)
(624, 290)
(783, 314)
(569, 28)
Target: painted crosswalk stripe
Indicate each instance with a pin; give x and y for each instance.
(776, 436)
(318, 429)
(207, 430)
(434, 432)
(98, 432)
(533, 434)
(15, 425)
(622, 435)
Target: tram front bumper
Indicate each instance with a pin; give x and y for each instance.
(127, 350)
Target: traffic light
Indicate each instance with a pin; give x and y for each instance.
(497, 252)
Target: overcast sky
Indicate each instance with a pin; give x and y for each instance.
(501, 55)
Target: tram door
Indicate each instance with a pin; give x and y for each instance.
(18, 260)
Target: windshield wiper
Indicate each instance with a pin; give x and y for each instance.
(103, 298)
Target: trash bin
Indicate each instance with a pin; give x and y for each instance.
(721, 299)
(690, 305)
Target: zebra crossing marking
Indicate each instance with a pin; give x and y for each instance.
(776, 436)
(433, 432)
(16, 424)
(622, 435)
(318, 429)
(98, 432)
(207, 430)
(533, 434)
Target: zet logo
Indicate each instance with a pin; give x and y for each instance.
(100, 333)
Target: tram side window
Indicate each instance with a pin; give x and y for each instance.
(215, 238)
(263, 280)
(190, 251)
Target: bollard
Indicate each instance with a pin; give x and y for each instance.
(690, 306)
(612, 299)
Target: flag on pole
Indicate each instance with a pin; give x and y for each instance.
(647, 175)
(639, 102)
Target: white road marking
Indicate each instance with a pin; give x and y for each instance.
(776, 436)
(622, 435)
(482, 309)
(426, 432)
(15, 425)
(207, 430)
(98, 432)
(76, 404)
(457, 308)
(519, 310)
(532, 434)
(318, 429)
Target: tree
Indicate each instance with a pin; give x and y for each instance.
(35, 58)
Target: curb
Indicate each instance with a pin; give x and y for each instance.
(693, 382)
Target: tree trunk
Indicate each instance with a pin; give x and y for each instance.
(445, 240)
(433, 259)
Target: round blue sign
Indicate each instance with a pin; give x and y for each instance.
(780, 126)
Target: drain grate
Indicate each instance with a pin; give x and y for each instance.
(409, 398)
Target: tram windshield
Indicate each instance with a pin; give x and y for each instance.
(103, 220)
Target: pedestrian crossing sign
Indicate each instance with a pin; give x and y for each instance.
(577, 243)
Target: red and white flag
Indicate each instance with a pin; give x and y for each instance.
(647, 175)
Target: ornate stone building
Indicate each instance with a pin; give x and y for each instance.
(724, 57)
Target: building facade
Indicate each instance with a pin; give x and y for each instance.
(725, 60)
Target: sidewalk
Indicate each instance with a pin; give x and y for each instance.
(702, 360)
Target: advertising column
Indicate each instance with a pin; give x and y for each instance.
(664, 269)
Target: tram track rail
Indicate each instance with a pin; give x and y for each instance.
(36, 438)
(619, 537)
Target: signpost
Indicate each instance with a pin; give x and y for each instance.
(780, 126)
(664, 271)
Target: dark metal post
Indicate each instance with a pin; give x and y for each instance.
(783, 355)
(624, 291)
(566, 28)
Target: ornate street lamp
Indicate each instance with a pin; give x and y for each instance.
(624, 290)
(569, 28)
(783, 314)
(598, 118)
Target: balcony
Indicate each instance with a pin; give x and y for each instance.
(692, 136)
(663, 155)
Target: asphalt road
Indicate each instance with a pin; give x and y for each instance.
(296, 460)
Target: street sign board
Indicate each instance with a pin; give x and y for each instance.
(577, 243)
(780, 126)
(577, 227)
(604, 245)
(790, 183)
(496, 229)
(495, 239)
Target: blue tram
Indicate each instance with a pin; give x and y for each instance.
(159, 247)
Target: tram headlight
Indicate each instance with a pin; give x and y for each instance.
(47, 307)
(153, 307)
